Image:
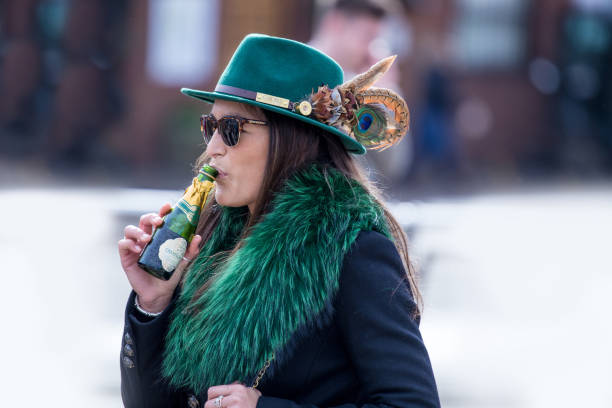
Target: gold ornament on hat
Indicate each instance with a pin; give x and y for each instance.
(376, 117)
(304, 108)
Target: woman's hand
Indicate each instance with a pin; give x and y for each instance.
(235, 395)
(153, 294)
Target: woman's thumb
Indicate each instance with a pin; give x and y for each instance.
(194, 247)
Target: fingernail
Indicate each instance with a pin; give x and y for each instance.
(145, 237)
(138, 248)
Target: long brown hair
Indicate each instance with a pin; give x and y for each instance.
(294, 144)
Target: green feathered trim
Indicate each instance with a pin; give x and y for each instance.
(276, 287)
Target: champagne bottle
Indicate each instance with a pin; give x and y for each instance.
(169, 242)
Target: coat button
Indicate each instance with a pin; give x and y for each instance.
(128, 338)
(192, 401)
(128, 350)
(127, 362)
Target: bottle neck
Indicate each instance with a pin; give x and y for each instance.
(196, 194)
(206, 173)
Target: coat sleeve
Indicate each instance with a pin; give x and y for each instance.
(141, 358)
(382, 338)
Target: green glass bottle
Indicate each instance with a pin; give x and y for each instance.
(169, 242)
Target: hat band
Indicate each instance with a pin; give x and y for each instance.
(255, 96)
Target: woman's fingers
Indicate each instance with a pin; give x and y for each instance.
(148, 221)
(194, 247)
(229, 400)
(226, 390)
(135, 239)
(135, 233)
(165, 209)
(128, 245)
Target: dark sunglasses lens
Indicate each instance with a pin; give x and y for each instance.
(208, 128)
(230, 130)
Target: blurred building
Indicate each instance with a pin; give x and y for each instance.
(498, 90)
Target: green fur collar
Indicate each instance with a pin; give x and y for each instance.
(275, 288)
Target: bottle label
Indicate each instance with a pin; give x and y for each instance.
(190, 211)
(171, 252)
(193, 199)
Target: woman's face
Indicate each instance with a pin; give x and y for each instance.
(241, 167)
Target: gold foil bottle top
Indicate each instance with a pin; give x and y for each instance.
(195, 195)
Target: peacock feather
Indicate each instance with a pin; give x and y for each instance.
(372, 121)
(376, 117)
(396, 114)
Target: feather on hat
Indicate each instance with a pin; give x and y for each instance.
(376, 117)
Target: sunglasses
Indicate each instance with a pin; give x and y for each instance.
(229, 127)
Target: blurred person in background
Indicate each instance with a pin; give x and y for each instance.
(18, 82)
(346, 30)
(58, 79)
(584, 102)
(355, 33)
(87, 97)
(20, 77)
(297, 289)
(436, 152)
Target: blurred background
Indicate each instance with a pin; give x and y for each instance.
(503, 183)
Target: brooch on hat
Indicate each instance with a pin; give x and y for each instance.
(376, 117)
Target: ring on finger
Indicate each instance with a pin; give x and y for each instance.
(218, 401)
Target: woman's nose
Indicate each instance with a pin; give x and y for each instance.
(216, 146)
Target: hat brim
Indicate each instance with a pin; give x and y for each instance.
(351, 145)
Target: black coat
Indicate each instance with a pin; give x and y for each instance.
(371, 354)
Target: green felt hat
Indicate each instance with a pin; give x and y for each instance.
(277, 74)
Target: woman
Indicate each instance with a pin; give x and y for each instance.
(298, 289)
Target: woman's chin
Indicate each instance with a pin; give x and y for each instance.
(225, 201)
(220, 198)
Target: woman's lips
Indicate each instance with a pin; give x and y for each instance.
(220, 173)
